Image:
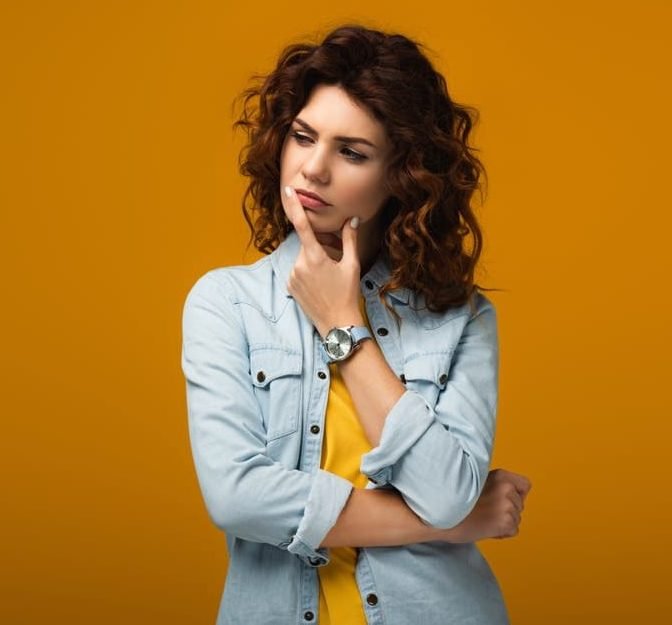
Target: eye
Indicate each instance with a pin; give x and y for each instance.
(354, 156)
(349, 153)
(299, 138)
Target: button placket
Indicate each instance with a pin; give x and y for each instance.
(367, 588)
(384, 327)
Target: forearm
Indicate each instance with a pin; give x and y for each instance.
(379, 518)
(373, 386)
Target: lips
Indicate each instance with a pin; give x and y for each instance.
(310, 199)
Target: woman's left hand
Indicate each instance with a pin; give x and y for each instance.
(327, 290)
(497, 513)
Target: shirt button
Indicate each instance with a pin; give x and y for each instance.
(443, 379)
(309, 616)
(382, 332)
(369, 284)
(322, 375)
(371, 599)
(261, 376)
(315, 429)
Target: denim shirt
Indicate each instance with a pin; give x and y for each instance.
(257, 386)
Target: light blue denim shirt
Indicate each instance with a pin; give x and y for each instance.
(257, 388)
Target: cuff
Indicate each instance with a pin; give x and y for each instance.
(406, 422)
(326, 500)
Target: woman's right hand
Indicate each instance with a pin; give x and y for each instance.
(497, 511)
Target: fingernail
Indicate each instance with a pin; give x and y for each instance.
(288, 191)
(354, 223)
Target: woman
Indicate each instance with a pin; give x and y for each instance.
(342, 390)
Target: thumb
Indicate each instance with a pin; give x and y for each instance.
(349, 238)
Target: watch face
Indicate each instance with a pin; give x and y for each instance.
(338, 343)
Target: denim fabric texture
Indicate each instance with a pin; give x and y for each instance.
(257, 388)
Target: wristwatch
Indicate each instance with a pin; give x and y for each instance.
(341, 343)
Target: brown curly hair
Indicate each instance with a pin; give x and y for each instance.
(431, 176)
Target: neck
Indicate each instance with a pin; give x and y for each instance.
(369, 244)
(367, 258)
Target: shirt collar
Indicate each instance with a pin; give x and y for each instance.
(284, 257)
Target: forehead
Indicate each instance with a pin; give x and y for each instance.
(330, 110)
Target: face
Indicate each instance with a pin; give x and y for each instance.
(336, 149)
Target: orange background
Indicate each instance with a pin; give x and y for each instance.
(119, 187)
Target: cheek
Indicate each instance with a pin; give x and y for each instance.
(366, 196)
(286, 159)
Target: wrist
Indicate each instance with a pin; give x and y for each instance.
(453, 535)
(340, 321)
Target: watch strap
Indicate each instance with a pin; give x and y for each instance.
(359, 333)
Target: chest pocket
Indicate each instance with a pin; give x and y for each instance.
(276, 378)
(428, 375)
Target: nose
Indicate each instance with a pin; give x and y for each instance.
(316, 166)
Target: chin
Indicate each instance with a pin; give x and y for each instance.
(321, 222)
(324, 224)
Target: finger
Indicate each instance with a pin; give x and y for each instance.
(510, 523)
(516, 520)
(349, 237)
(525, 485)
(297, 215)
(517, 500)
(521, 483)
(509, 497)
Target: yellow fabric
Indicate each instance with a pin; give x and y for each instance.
(343, 446)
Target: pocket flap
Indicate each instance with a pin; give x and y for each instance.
(267, 365)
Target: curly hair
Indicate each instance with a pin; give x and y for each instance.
(432, 174)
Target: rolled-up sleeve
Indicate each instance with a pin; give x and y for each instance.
(246, 493)
(438, 456)
(325, 503)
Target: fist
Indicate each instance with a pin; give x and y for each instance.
(497, 513)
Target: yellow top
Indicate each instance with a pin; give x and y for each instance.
(342, 448)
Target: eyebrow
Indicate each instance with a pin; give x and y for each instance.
(309, 128)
